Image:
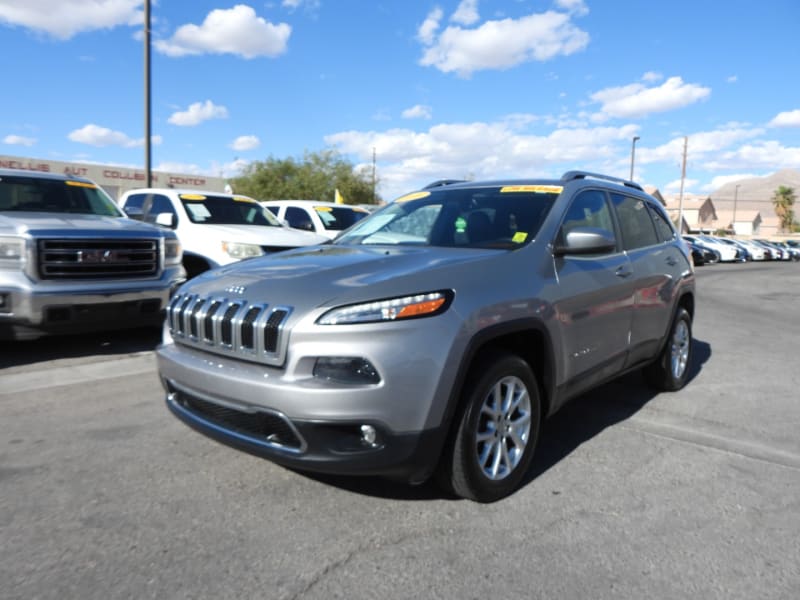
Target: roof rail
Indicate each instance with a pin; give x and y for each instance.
(441, 182)
(570, 175)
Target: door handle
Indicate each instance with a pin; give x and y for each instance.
(623, 272)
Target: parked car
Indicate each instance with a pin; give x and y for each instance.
(778, 253)
(794, 253)
(745, 252)
(324, 218)
(757, 251)
(702, 255)
(71, 262)
(215, 229)
(435, 335)
(714, 256)
(727, 252)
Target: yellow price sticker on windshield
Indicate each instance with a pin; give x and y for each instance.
(519, 237)
(192, 197)
(82, 184)
(414, 196)
(541, 189)
(323, 209)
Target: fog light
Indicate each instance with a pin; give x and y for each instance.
(369, 435)
(344, 369)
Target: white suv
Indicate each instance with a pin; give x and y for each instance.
(215, 229)
(325, 218)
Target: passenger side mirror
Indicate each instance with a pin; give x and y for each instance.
(166, 219)
(586, 240)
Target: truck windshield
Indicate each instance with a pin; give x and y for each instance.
(224, 210)
(32, 194)
(487, 217)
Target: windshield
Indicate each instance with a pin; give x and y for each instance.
(500, 217)
(227, 210)
(336, 218)
(36, 194)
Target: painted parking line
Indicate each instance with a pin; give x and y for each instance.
(78, 374)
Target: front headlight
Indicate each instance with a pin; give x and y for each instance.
(12, 252)
(173, 253)
(392, 309)
(240, 251)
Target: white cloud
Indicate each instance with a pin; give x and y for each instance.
(233, 31)
(427, 31)
(197, 113)
(292, 4)
(637, 100)
(417, 112)
(652, 76)
(483, 150)
(576, 7)
(500, 44)
(675, 186)
(19, 140)
(721, 180)
(245, 142)
(700, 144)
(772, 155)
(732, 79)
(62, 19)
(790, 118)
(466, 13)
(94, 135)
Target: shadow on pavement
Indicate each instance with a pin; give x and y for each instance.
(575, 423)
(25, 352)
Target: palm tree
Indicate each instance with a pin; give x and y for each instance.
(784, 203)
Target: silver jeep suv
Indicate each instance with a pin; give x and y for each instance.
(435, 336)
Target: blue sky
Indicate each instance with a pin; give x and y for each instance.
(441, 89)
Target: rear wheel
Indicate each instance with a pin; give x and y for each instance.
(497, 430)
(671, 371)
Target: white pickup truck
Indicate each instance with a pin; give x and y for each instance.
(70, 261)
(214, 228)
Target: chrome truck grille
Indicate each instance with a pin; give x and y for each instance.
(98, 258)
(229, 327)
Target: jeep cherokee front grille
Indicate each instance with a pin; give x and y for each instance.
(98, 258)
(230, 327)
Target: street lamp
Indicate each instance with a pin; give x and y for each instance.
(735, 200)
(633, 153)
(147, 125)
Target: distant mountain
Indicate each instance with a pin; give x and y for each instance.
(756, 193)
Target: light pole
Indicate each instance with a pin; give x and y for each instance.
(735, 200)
(147, 150)
(633, 154)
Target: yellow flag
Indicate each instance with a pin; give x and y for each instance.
(338, 197)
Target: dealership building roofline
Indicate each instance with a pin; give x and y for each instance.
(115, 179)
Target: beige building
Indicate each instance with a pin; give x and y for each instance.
(748, 222)
(699, 214)
(115, 180)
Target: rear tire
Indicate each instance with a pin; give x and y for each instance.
(671, 371)
(497, 429)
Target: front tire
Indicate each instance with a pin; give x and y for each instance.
(497, 430)
(671, 371)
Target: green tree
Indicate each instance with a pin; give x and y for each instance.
(314, 177)
(783, 200)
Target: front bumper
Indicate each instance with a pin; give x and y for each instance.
(31, 309)
(321, 446)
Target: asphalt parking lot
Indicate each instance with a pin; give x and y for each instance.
(695, 494)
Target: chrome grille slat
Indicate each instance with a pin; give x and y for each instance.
(97, 258)
(231, 327)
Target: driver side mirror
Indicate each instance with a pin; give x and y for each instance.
(165, 219)
(586, 240)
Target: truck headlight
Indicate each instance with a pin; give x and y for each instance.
(391, 309)
(240, 251)
(173, 253)
(12, 252)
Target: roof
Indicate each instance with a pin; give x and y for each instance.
(42, 175)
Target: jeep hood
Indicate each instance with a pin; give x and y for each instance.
(325, 275)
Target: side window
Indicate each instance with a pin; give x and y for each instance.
(637, 227)
(134, 206)
(160, 204)
(664, 228)
(273, 210)
(588, 209)
(298, 218)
